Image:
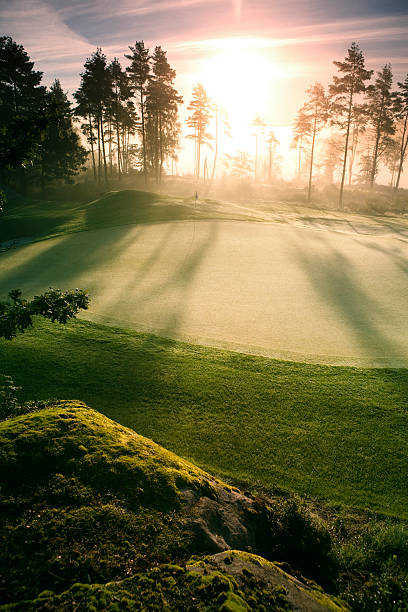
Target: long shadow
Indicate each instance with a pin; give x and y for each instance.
(332, 276)
(143, 267)
(53, 263)
(173, 291)
(394, 254)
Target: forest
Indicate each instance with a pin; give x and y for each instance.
(130, 122)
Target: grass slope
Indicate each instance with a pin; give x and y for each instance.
(41, 219)
(335, 433)
(84, 207)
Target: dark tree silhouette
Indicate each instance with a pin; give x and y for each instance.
(401, 113)
(161, 104)
(121, 92)
(61, 155)
(139, 74)
(381, 115)
(343, 91)
(93, 97)
(22, 102)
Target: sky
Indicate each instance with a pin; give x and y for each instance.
(270, 51)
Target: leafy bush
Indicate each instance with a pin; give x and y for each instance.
(290, 533)
(17, 314)
(3, 201)
(9, 404)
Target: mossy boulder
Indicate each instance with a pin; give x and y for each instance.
(97, 517)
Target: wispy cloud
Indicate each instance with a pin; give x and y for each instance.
(59, 34)
(54, 47)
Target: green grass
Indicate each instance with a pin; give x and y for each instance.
(335, 433)
(44, 219)
(87, 207)
(41, 219)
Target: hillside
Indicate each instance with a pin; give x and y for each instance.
(98, 517)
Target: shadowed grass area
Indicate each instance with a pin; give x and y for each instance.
(88, 207)
(331, 432)
(44, 219)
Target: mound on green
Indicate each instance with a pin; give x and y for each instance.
(95, 516)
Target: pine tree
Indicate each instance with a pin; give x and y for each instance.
(273, 156)
(343, 92)
(95, 95)
(358, 126)
(162, 126)
(259, 124)
(301, 136)
(84, 110)
(401, 113)
(316, 109)
(139, 74)
(332, 157)
(380, 112)
(220, 117)
(200, 107)
(121, 92)
(22, 102)
(241, 164)
(61, 155)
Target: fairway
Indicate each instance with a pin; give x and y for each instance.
(279, 290)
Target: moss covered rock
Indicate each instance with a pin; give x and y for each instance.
(96, 517)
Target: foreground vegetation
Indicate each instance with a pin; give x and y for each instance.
(95, 516)
(87, 501)
(335, 433)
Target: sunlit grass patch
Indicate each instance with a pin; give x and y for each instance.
(335, 433)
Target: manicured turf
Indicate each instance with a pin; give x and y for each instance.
(336, 433)
(277, 290)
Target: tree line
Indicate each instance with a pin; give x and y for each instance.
(370, 119)
(38, 142)
(129, 118)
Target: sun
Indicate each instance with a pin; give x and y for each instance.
(240, 80)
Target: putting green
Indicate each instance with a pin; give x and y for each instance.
(278, 290)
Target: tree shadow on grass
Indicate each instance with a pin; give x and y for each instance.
(42, 219)
(333, 278)
(169, 294)
(38, 266)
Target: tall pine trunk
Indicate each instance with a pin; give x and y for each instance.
(403, 150)
(104, 154)
(376, 147)
(92, 147)
(309, 191)
(143, 135)
(343, 174)
(118, 151)
(99, 151)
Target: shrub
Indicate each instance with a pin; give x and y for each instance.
(288, 532)
(9, 404)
